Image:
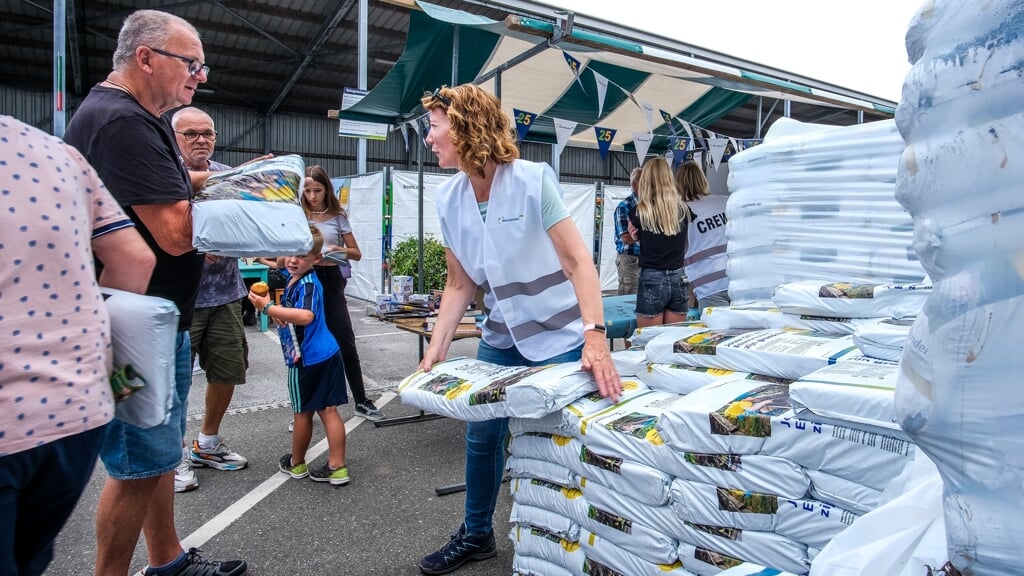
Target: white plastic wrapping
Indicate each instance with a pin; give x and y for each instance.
(538, 543)
(629, 362)
(143, 331)
(817, 202)
(960, 178)
(527, 467)
(533, 566)
(843, 493)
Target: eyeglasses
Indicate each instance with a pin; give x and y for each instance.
(192, 135)
(436, 95)
(194, 66)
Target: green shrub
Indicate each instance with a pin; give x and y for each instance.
(403, 260)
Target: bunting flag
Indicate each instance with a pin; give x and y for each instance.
(677, 146)
(642, 142)
(649, 113)
(604, 139)
(668, 120)
(563, 130)
(686, 126)
(717, 146)
(602, 89)
(523, 122)
(405, 134)
(577, 68)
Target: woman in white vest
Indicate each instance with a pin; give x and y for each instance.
(705, 253)
(506, 230)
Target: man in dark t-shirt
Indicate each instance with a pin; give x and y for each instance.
(121, 130)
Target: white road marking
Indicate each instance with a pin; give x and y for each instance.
(235, 511)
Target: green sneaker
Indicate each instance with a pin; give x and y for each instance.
(299, 470)
(337, 477)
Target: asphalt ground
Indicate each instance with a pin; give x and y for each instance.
(379, 524)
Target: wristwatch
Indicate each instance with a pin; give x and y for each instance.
(592, 326)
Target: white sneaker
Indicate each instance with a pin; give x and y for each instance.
(185, 478)
(291, 426)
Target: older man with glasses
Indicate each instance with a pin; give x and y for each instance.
(121, 129)
(217, 334)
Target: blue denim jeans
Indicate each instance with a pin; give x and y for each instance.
(485, 444)
(660, 290)
(133, 453)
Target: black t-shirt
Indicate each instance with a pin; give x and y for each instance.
(137, 158)
(660, 251)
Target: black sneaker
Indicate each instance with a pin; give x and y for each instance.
(196, 565)
(460, 549)
(367, 409)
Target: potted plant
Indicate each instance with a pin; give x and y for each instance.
(403, 260)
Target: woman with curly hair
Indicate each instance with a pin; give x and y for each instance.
(659, 223)
(506, 229)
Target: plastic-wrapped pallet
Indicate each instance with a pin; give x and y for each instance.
(804, 520)
(960, 178)
(533, 566)
(641, 482)
(771, 352)
(630, 429)
(851, 300)
(474, 390)
(760, 315)
(816, 202)
(858, 391)
(538, 543)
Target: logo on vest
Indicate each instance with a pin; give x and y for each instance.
(504, 219)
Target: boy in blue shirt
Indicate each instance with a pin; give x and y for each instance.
(316, 379)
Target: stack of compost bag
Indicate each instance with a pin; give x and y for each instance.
(705, 460)
(816, 202)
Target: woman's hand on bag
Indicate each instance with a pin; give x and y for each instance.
(598, 360)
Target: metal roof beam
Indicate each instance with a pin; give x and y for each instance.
(261, 32)
(340, 12)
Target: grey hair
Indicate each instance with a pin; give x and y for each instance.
(634, 177)
(187, 110)
(146, 28)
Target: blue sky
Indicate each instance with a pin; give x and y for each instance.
(855, 44)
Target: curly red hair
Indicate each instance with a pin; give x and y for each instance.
(480, 130)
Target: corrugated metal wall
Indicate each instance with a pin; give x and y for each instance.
(244, 133)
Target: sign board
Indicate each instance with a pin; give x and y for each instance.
(357, 129)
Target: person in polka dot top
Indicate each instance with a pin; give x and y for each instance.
(55, 398)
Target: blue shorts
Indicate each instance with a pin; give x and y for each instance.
(133, 453)
(312, 388)
(660, 290)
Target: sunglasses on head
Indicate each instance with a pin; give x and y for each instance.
(436, 95)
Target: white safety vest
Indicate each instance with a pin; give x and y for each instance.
(529, 301)
(706, 259)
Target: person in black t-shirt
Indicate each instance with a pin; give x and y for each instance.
(660, 222)
(120, 128)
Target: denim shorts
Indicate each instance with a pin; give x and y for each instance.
(660, 290)
(133, 453)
